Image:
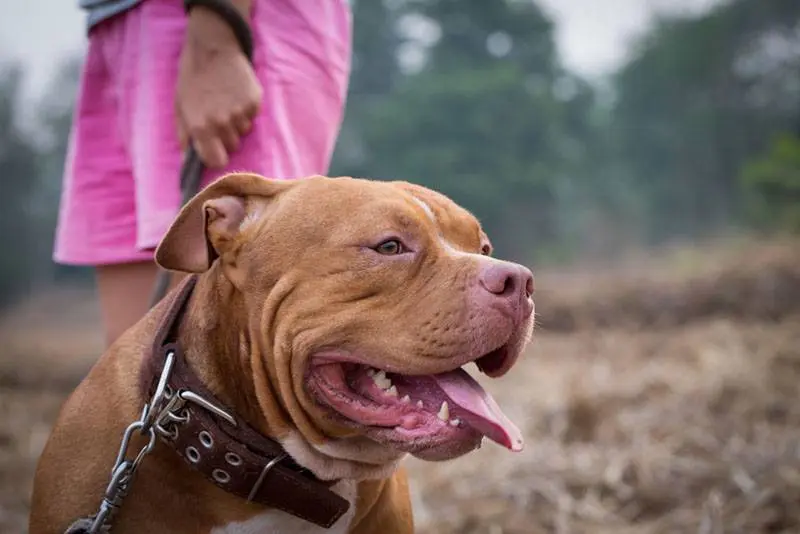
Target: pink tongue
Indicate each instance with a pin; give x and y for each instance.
(484, 414)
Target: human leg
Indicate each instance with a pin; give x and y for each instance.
(124, 291)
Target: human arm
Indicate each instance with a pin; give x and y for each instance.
(218, 94)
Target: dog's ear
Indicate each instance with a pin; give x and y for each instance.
(209, 223)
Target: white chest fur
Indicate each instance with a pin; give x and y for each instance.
(277, 522)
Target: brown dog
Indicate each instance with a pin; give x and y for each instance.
(332, 315)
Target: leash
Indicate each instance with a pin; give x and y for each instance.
(191, 175)
(125, 466)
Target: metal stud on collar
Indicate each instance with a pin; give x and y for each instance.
(233, 459)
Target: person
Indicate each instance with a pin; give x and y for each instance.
(156, 78)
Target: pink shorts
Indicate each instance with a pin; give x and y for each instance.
(121, 182)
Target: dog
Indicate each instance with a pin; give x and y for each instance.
(319, 336)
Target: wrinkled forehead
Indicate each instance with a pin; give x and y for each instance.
(356, 206)
(455, 224)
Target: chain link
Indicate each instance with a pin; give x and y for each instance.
(125, 466)
(161, 416)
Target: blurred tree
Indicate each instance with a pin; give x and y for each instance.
(482, 112)
(19, 229)
(699, 97)
(374, 73)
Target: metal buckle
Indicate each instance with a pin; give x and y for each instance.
(267, 468)
(174, 413)
(165, 420)
(190, 396)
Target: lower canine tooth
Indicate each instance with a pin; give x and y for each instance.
(444, 412)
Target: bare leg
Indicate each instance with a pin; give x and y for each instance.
(125, 291)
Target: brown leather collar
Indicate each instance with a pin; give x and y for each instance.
(222, 447)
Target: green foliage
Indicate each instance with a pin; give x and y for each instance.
(771, 184)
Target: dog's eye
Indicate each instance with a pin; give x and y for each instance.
(390, 247)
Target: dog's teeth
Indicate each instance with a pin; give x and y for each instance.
(419, 404)
(371, 372)
(381, 380)
(392, 391)
(455, 422)
(406, 399)
(444, 412)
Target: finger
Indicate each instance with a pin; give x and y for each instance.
(251, 110)
(181, 130)
(229, 136)
(183, 137)
(211, 150)
(242, 124)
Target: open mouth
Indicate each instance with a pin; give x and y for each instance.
(447, 413)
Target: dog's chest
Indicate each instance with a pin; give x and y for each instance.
(277, 522)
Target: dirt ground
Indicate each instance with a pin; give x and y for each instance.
(659, 396)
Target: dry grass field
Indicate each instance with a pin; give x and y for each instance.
(660, 395)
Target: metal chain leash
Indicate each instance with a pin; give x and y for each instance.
(149, 425)
(161, 416)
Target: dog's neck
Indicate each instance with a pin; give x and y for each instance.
(216, 345)
(220, 346)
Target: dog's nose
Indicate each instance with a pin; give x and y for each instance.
(508, 280)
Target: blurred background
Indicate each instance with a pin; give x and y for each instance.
(642, 156)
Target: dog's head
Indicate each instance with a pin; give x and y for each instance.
(365, 300)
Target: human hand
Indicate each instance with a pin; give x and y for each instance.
(218, 94)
